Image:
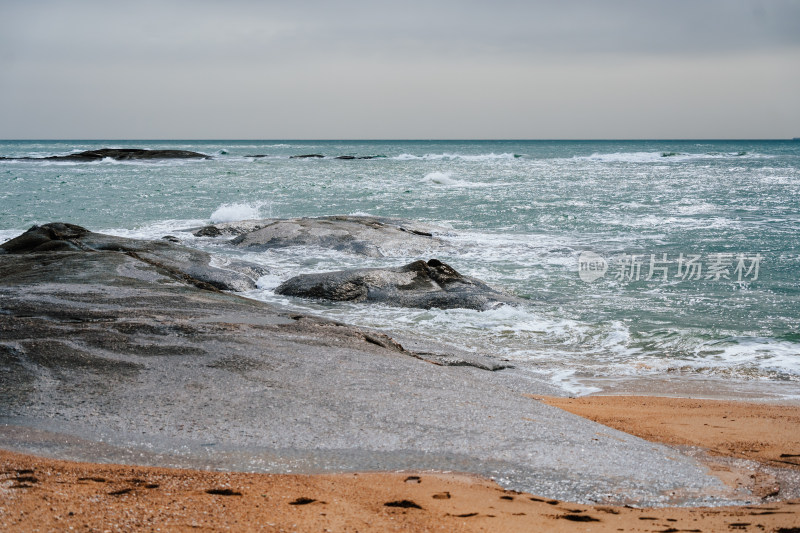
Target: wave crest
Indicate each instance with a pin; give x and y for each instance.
(663, 157)
(236, 212)
(450, 156)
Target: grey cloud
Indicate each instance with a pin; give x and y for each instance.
(581, 68)
(512, 30)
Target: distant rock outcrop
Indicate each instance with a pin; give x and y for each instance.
(119, 154)
(418, 284)
(360, 235)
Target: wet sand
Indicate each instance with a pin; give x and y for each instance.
(763, 432)
(52, 495)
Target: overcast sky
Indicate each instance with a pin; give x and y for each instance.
(396, 70)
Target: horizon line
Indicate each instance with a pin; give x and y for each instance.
(421, 139)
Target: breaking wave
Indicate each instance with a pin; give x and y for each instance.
(236, 212)
(464, 157)
(662, 157)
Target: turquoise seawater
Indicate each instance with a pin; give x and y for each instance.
(519, 215)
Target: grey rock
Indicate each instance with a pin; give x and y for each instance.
(360, 235)
(108, 358)
(120, 154)
(181, 262)
(231, 229)
(418, 284)
(307, 156)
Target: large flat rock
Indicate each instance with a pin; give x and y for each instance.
(192, 265)
(108, 357)
(359, 235)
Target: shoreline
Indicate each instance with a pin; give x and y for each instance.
(766, 432)
(753, 447)
(53, 494)
(693, 386)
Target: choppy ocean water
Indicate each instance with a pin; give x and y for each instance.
(690, 249)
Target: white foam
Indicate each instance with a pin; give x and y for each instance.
(236, 212)
(450, 156)
(446, 179)
(760, 352)
(699, 208)
(662, 157)
(441, 178)
(156, 230)
(268, 282)
(655, 221)
(566, 380)
(780, 180)
(8, 234)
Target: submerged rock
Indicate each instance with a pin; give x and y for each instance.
(120, 154)
(184, 263)
(307, 156)
(418, 284)
(360, 235)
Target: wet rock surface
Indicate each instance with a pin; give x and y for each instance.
(419, 284)
(359, 235)
(119, 154)
(108, 357)
(188, 264)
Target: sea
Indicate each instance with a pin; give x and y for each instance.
(664, 267)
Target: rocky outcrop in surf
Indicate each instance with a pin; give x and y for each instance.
(106, 350)
(110, 276)
(181, 262)
(418, 284)
(119, 154)
(360, 235)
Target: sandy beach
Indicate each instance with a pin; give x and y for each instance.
(763, 432)
(761, 439)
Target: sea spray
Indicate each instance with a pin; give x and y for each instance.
(237, 212)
